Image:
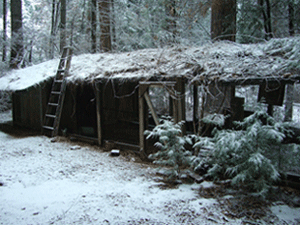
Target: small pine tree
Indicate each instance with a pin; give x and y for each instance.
(251, 155)
(171, 147)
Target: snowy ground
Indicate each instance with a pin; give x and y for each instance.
(44, 182)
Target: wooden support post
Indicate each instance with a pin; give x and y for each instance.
(97, 91)
(195, 108)
(270, 109)
(175, 110)
(171, 107)
(142, 124)
(289, 98)
(180, 89)
(144, 101)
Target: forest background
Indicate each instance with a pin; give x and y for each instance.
(36, 31)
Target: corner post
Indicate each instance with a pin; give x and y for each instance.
(142, 117)
(97, 90)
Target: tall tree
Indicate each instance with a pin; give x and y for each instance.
(4, 32)
(291, 18)
(170, 7)
(94, 26)
(54, 22)
(16, 53)
(223, 20)
(265, 7)
(63, 21)
(104, 17)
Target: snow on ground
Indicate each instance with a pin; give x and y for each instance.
(48, 183)
(44, 182)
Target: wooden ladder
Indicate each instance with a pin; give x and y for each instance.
(57, 95)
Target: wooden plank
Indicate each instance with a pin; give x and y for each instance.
(84, 138)
(150, 105)
(159, 84)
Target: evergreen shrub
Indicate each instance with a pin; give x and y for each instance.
(253, 155)
(171, 151)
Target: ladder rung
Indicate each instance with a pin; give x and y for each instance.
(51, 116)
(58, 81)
(61, 70)
(52, 104)
(48, 128)
(55, 92)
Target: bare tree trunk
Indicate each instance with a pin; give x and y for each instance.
(170, 7)
(63, 21)
(54, 20)
(223, 20)
(105, 36)
(83, 17)
(266, 13)
(4, 32)
(291, 18)
(16, 53)
(30, 52)
(94, 26)
(113, 20)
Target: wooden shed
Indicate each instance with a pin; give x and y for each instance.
(108, 99)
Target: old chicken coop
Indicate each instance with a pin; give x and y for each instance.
(113, 97)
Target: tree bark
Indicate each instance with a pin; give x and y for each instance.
(4, 31)
(63, 21)
(105, 36)
(54, 20)
(223, 20)
(16, 53)
(114, 35)
(170, 7)
(291, 18)
(266, 13)
(94, 26)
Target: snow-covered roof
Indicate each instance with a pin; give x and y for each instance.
(224, 61)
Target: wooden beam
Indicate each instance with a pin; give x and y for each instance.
(159, 84)
(142, 89)
(150, 105)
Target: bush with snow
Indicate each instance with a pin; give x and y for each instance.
(5, 101)
(254, 155)
(171, 147)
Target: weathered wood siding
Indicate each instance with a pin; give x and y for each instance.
(29, 106)
(120, 111)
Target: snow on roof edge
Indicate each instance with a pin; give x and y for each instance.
(215, 61)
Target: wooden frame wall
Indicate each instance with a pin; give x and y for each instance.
(176, 90)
